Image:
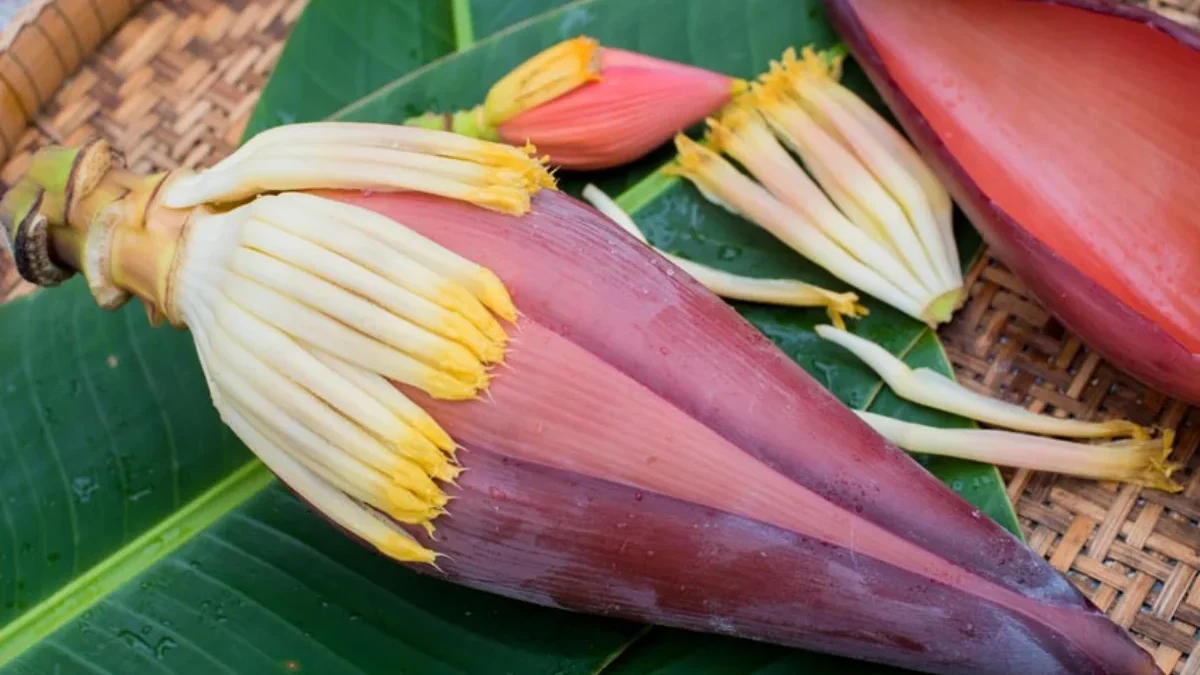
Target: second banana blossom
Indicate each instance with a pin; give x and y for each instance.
(591, 107)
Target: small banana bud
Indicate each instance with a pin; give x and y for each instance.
(591, 107)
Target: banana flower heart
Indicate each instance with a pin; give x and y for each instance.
(489, 381)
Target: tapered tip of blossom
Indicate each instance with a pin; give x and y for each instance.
(544, 77)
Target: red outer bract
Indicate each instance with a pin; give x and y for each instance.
(1067, 132)
(645, 453)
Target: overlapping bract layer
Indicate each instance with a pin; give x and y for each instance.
(648, 454)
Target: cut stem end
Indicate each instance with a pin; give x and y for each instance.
(941, 308)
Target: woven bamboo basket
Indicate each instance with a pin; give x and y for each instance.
(173, 82)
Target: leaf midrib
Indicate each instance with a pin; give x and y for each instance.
(477, 44)
(127, 562)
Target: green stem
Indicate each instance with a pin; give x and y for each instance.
(464, 32)
(464, 122)
(646, 190)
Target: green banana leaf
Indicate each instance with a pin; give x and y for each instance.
(138, 535)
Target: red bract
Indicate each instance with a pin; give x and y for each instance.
(645, 453)
(1068, 132)
(637, 103)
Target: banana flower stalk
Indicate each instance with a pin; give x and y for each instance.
(352, 291)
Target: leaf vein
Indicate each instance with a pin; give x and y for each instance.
(55, 452)
(152, 386)
(216, 581)
(104, 422)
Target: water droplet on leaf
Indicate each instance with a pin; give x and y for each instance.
(83, 487)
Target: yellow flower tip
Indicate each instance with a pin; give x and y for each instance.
(429, 528)
(492, 353)
(405, 503)
(406, 549)
(1149, 462)
(436, 435)
(494, 295)
(445, 387)
(1158, 477)
(481, 383)
(510, 200)
(549, 74)
(448, 473)
(1158, 474)
(825, 64)
(791, 72)
(538, 172)
(738, 86)
(692, 157)
(718, 135)
(835, 317)
(491, 329)
(733, 118)
(844, 305)
(437, 502)
(584, 51)
(1140, 433)
(771, 91)
(454, 360)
